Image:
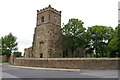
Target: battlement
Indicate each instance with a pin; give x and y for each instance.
(49, 8)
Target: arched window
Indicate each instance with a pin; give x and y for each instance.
(42, 19)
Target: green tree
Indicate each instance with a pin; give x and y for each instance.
(114, 44)
(0, 46)
(17, 54)
(9, 44)
(118, 41)
(73, 33)
(100, 37)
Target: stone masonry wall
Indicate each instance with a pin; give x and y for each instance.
(76, 63)
(27, 52)
(3, 58)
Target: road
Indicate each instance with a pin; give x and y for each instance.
(12, 72)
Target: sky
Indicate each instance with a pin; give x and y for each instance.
(19, 16)
(119, 12)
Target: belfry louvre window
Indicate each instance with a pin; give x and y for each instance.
(42, 19)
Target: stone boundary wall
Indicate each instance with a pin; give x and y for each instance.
(71, 63)
(3, 58)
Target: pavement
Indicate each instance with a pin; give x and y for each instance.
(10, 71)
(39, 68)
(8, 66)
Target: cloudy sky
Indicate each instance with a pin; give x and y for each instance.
(119, 12)
(19, 16)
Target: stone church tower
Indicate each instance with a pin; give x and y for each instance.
(47, 40)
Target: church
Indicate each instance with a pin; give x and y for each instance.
(47, 38)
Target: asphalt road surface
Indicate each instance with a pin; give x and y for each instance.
(11, 72)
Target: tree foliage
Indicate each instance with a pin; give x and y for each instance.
(114, 44)
(96, 41)
(99, 39)
(74, 35)
(118, 41)
(17, 54)
(9, 44)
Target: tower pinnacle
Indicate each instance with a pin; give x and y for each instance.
(49, 6)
